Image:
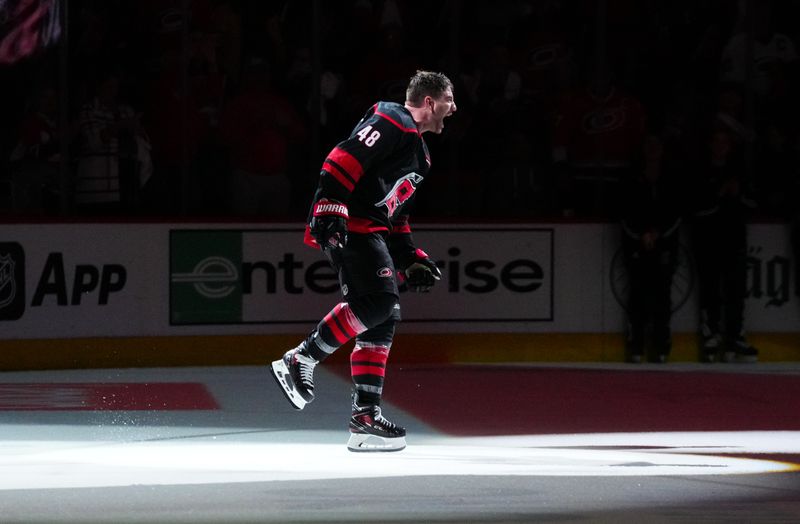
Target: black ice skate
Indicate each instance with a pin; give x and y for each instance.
(295, 375)
(739, 350)
(712, 344)
(369, 431)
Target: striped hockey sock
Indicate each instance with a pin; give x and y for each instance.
(368, 368)
(338, 326)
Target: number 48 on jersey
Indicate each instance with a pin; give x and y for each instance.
(368, 136)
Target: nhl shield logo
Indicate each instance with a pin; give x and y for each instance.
(8, 285)
(12, 281)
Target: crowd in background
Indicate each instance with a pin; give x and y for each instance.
(226, 108)
(651, 113)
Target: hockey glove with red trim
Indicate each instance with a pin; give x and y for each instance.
(422, 274)
(328, 225)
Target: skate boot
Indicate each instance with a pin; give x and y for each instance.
(369, 431)
(712, 343)
(295, 375)
(662, 347)
(739, 350)
(634, 343)
(634, 351)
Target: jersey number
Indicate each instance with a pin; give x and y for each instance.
(368, 138)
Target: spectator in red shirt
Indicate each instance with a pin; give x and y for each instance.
(598, 132)
(258, 126)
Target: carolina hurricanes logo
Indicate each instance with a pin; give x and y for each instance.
(400, 192)
(604, 120)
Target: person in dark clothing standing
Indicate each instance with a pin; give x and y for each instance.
(651, 219)
(719, 232)
(359, 218)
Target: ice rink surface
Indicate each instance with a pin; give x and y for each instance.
(221, 444)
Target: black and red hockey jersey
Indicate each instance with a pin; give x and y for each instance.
(376, 171)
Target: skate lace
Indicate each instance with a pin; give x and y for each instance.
(379, 418)
(305, 366)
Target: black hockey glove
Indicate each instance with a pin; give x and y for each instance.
(422, 274)
(328, 224)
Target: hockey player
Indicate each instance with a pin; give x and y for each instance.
(359, 219)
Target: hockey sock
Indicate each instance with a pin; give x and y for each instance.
(368, 368)
(338, 326)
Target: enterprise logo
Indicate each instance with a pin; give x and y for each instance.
(213, 277)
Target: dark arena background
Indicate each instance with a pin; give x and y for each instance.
(618, 187)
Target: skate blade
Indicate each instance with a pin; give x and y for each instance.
(361, 442)
(281, 374)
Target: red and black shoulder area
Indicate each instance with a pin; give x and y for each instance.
(397, 115)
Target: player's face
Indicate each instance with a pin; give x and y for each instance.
(441, 108)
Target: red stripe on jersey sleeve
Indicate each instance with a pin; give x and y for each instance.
(348, 163)
(339, 175)
(397, 124)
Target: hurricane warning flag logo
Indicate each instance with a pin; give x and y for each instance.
(400, 192)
